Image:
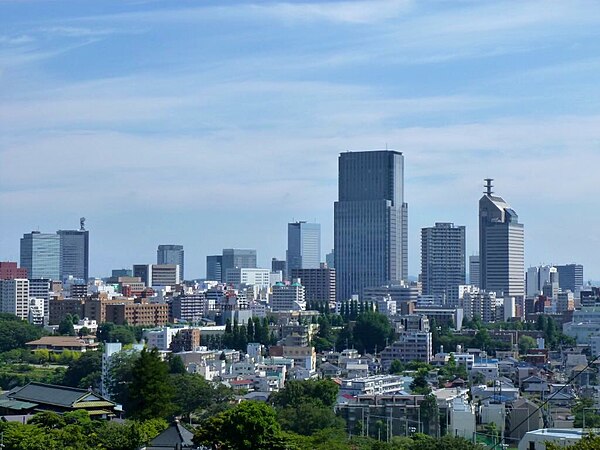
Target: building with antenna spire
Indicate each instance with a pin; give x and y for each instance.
(501, 246)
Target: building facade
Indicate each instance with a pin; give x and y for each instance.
(501, 246)
(171, 254)
(370, 221)
(443, 261)
(165, 275)
(10, 271)
(474, 275)
(214, 268)
(74, 253)
(40, 255)
(570, 276)
(304, 246)
(319, 284)
(288, 297)
(14, 297)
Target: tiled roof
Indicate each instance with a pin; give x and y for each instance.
(55, 395)
(175, 435)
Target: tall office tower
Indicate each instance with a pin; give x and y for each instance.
(570, 277)
(474, 276)
(171, 254)
(40, 255)
(74, 252)
(214, 268)
(501, 246)
(443, 261)
(370, 222)
(237, 258)
(539, 276)
(279, 265)
(14, 297)
(304, 246)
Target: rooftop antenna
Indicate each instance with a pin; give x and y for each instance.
(82, 224)
(488, 186)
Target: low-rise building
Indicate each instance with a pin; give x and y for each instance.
(58, 344)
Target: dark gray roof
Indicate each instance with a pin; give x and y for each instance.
(175, 434)
(51, 394)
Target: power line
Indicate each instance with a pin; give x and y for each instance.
(549, 398)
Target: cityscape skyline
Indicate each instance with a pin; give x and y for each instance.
(250, 128)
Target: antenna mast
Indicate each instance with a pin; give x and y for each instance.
(488, 186)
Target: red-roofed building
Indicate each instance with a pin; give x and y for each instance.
(10, 271)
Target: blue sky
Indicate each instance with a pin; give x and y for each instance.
(213, 124)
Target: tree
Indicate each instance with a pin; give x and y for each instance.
(65, 327)
(526, 343)
(396, 367)
(248, 426)
(419, 385)
(85, 371)
(590, 442)
(150, 391)
(585, 406)
(372, 330)
(14, 332)
(120, 375)
(176, 365)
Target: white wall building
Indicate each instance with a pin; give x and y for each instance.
(288, 297)
(36, 311)
(248, 276)
(14, 297)
(536, 440)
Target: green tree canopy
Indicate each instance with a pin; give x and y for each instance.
(150, 391)
(372, 330)
(248, 426)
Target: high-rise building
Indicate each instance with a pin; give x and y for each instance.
(474, 275)
(279, 265)
(370, 221)
(539, 276)
(40, 255)
(319, 284)
(501, 246)
(214, 268)
(443, 261)
(330, 259)
(304, 246)
(171, 254)
(248, 276)
(144, 272)
(237, 257)
(74, 252)
(14, 297)
(570, 276)
(288, 297)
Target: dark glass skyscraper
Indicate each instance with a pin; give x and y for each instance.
(304, 246)
(501, 246)
(570, 276)
(74, 253)
(370, 221)
(171, 254)
(40, 255)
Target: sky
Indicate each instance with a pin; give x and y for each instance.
(214, 124)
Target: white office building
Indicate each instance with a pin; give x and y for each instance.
(288, 297)
(14, 297)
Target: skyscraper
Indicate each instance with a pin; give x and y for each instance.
(474, 267)
(171, 254)
(40, 255)
(74, 252)
(501, 246)
(237, 258)
(214, 268)
(443, 261)
(304, 246)
(370, 221)
(570, 276)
